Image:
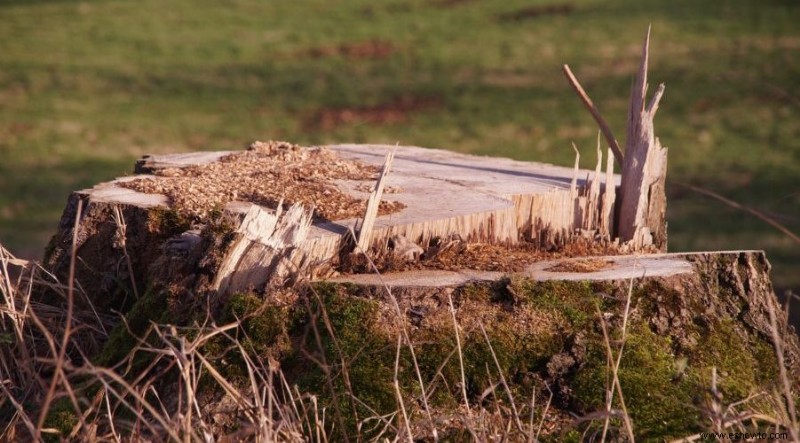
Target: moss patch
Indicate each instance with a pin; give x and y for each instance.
(575, 301)
(167, 222)
(61, 417)
(263, 323)
(262, 332)
(339, 343)
(744, 362)
(660, 405)
(357, 347)
(151, 307)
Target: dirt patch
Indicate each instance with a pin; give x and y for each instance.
(450, 3)
(395, 111)
(265, 174)
(536, 12)
(585, 265)
(370, 49)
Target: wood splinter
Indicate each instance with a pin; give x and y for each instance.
(643, 201)
(641, 213)
(368, 222)
(607, 133)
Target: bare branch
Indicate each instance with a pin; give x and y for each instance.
(612, 141)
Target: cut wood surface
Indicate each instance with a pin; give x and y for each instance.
(485, 199)
(573, 269)
(443, 195)
(482, 199)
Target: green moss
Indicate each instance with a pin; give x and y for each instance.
(264, 324)
(433, 345)
(660, 404)
(262, 333)
(519, 351)
(477, 292)
(151, 307)
(357, 342)
(576, 301)
(168, 222)
(60, 417)
(662, 398)
(521, 344)
(743, 363)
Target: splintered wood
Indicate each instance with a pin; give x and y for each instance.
(643, 202)
(555, 218)
(261, 254)
(365, 232)
(641, 215)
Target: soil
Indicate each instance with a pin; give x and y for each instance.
(450, 3)
(536, 12)
(396, 111)
(266, 174)
(369, 49)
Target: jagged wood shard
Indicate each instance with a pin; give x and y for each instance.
(641, 215)
(365, 231)
(642, 211)
(262, 250)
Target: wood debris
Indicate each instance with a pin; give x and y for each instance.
(265, 174)
(368, 220)
(454, 255)
(643, 201)
(584, 265)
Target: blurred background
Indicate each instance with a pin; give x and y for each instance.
(86, 87)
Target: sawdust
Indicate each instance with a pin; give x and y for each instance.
(266, 174)
(583, 265)
(454, 255)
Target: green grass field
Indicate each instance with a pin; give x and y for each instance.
(87, 87)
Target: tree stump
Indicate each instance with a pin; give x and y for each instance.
(432, 195)
(506, 251)
(527, 265)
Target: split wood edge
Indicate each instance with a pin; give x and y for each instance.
(641, 215)
(368, 221)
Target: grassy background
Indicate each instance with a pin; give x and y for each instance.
(87, 87)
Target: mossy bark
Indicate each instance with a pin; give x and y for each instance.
(549, 333)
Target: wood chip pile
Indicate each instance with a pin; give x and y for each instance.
(455, 254)
(265, 174)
